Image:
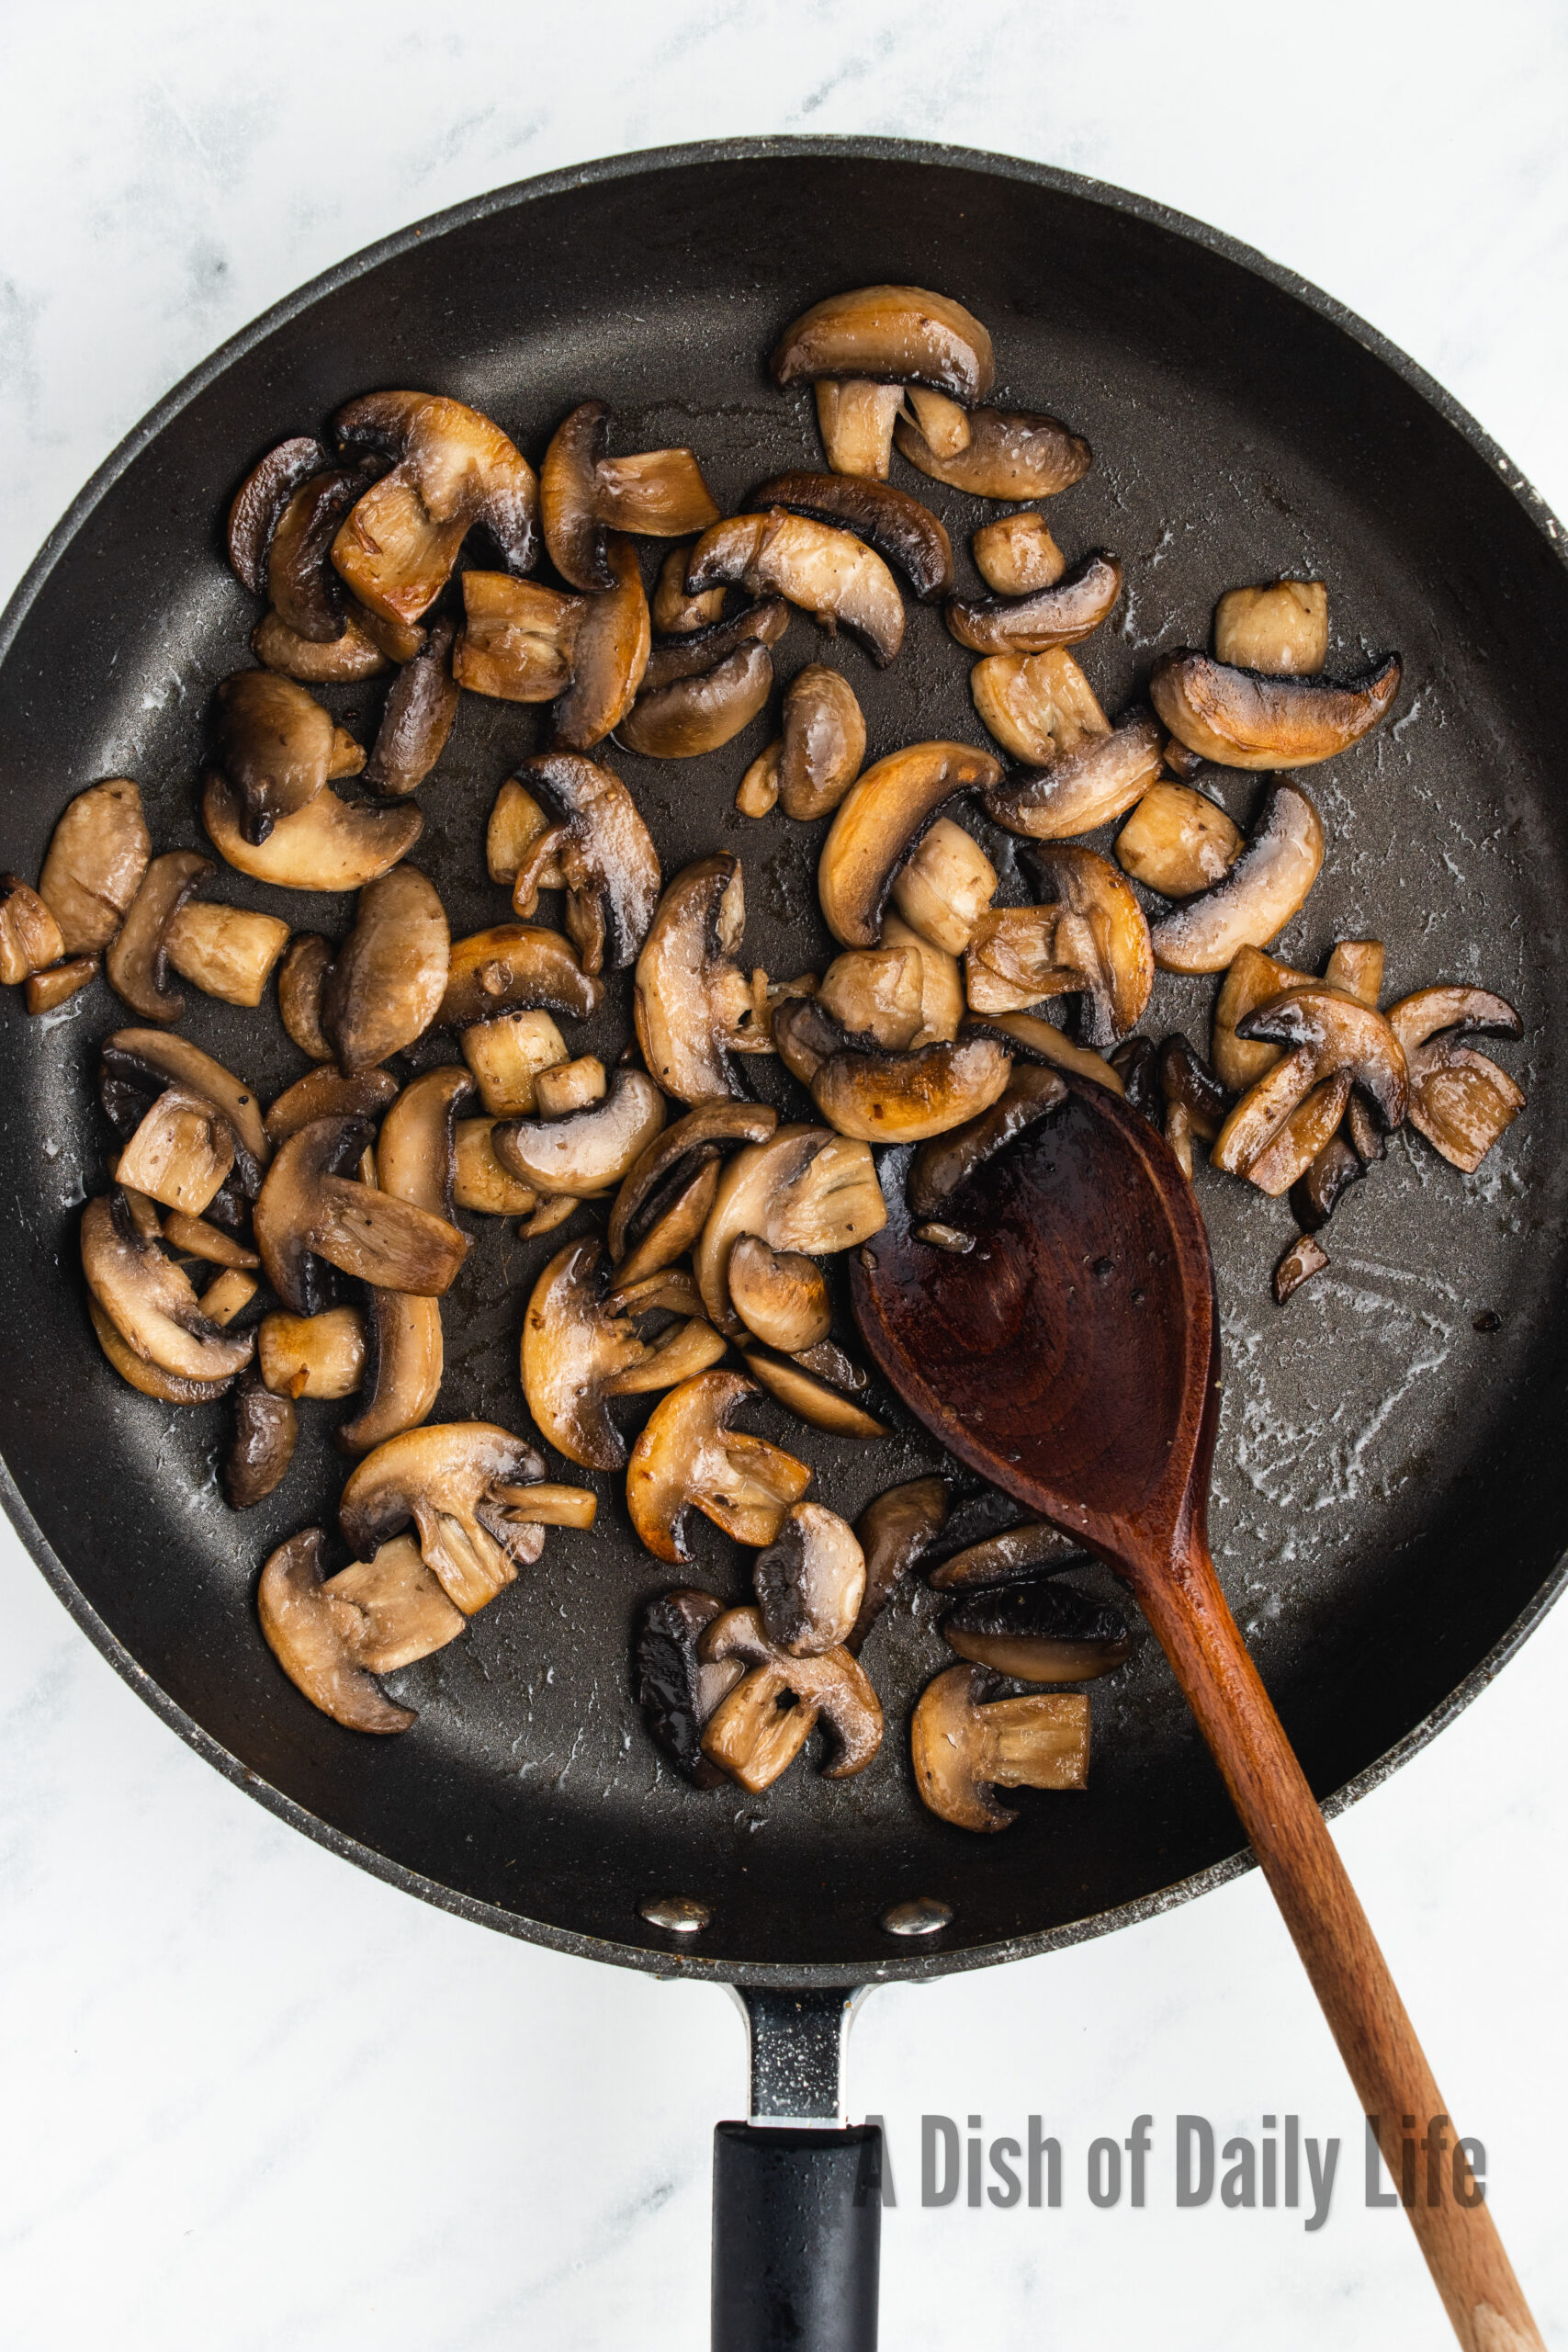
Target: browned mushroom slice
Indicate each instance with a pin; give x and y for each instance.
(30, 936)
(507, 1056)
(1355, 965)
(307, 1210)
(1018, 1555)
(150, 1302)
(675, 612)
(390, 978)
(135, 1066)
(47, 991)
(455, 466)
(301, 976)
(963, 1751)
(823, 744)
(675, 1691)
(96, 861)
(180, 1154)
(229, 1293)
(1011, 454)
(587, 1151)
(1020, 955)
(692, 1143)
(609, 655)
(677, 1217)
(137, 959)
(754, 1734)
(191, 1238)
(579, 1351)
(692, 1005)
(332, 1635)
(1460, 1100)
(1251, 979)
(329, 844)
(1111, 923)
(1305, 1257)
(166, 1388)
(902, 531)
(1187, 1082)
(1317, 1193)
(1326, 1032)
(756, 793)
(877, 824)
(1241, 719)
(227, 951)
(451, 1480)
(1039, 1632)
(417, 718)
(942, 986)
(1037, 1040)
(518, 639)
(855, 419)
(829, 572)
(702, 650)
(700, 714)
(1178, 842)
(563, 1087)
(810, 1581)
(312, 1355)
(480, 1184)
(415, 1151)
(780, 1295)
(305, 592)
(393, 554)
(873, 995)
(894, 1531)
(1287, 1155)
(903, 1098)
(1040, 707)
(943, 421)
(260, 501)
(1016, 554)
(942, 889)
(810, 1397)
(1063, 614)
(327, 1093)
(275, 745)
(1265, 888)
(521, 841)
(940, 1168)
(605, 854)
(266, 1431)
(687, 1457)
(342, 662)
(1455, 1007)
(1282, 629)
(659, 494)
(803, 1190)
(515, 964)
(896, 335)
(1091, 784)
(403, 1364)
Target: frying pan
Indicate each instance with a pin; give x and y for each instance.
(1388, 1513)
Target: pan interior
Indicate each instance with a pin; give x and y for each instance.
(1385, 1503)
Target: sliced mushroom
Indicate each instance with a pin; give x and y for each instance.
(1455, 1008)
(602, 851)
(903, 1098)
(586, 1151)
(47, 991)
(136, 962)
(1020, 955)
(451, 468)
(1011, 454)
(135, 1066)
(1287, 1155)
(390, 978)
(306, 1209)
(451, 1480)
(260, 501)
(1266, 888)
(820, 1402)
(150, 1302)
(1040, 1632)
(267, 1429)
(275, 745)
(829, 572)
(1042, 709)
(942, 986)
(1063, 614)
(1251, 979)
(823, 744)
(329, 844)
(873, 994)
(877, 824)
(945, 422)
(1355, 965)
(1111, 919)
(893, 1532)
(1136, 1061)
(164, 1387)
(1037, 1040)
(902, 531)
(1016, 1554)
(810, 1582)
(701, 713)
(1305, 1257)
(700, 650)
(1178, 842)
(1016, 554)
(30, 936)
(481, 1184)
(417, 718)
(679, 1215)
(781, 1297)
(1326, 1032)
(1282, 629)
(326, 1094)
(515, 964)
(1091, 784)
(663, 1173)
(403, 1364)
(659, 494)
(328, 1632)
(1241, 719)
(758, 791)
(676, 1692)
(519, 639)
(312, 1355)
(692, 1005)
(1186, 1081)
(675, 614)
(192, 1238)
(1460, 1100)
(227, 951)
(301, 976)
(609, 655)
(855, 420)
(963, 1751)
(341, 662)
(804, 1190)
(688, 1458)
(305, 592)
(1317, 1193)
(944, 888)
(180, 1154)
(96, 858)
(898, 335)
(807, 1035)
(415, 1151)
(571, 1086)
(579, 1350)
(744, 1732)
(228, 1293)
(940, 1168)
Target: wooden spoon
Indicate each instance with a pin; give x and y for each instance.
(1072, 1358)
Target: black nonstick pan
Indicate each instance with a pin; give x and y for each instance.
(1388, 1514)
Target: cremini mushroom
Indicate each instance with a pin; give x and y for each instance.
(1456, 1009)
(136, 1065)
(893, 1532)
(1303, 1135)
(1317, 1191)
(30, 936)
(579, 1350)
(1178, 842)
(596, 841)
(659, 494)
(780, 1295)
(1016, 1554)
(688, 1458)
(275, 745)
(902, 531)
(148, 1301)
(805, 1189)
(609, 654)
(1266, 888)
(808, 1396)
(307, 1210)
(1305, 1257)
(329, 844)
(137, 959)
(675, 1691)
(312, 1355)
(96, 858)
(180, 1154)
(873, 994)
(823, 742)
(942, 891)
(1037, 1040)
(810, 1581)
(47, 991)
(903, 1098)
(940, 1168)
(459, 1482)
(1327, 1032)
(942, 985)
(1091, 783)
(516, 964)
(576, 1085)
(301, 976)
(1040, 707)
(878, 823)
(1137, 1061)
(306, 593)
(507, 1056)
(331, 1635)
(1251, 979)
(1016, 554)
(1040, 1632)
(325, 1093)
(1072, 608)
(451, 469)
(227, 951)
(585, 1151)
(146, 1378)
(341, 662)
(390, 975)
(415, 1149)
(694, 1007)
(751, 1732)
(858, 348)
(1020, 955)
(1459, 1100)
(964, 1750)
(673, 613)
(518, 639)
(829, 572)
(260, 501)
(1107, 935)
(416, 719)
(702, 711)
(1280, 629)
(1011, 453)
(1242, 718)
(667, 1192)
(267, 1429)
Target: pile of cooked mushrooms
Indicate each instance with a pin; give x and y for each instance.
(324, 1230)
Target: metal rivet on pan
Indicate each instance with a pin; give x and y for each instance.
(923, 1916)
(680, 1914)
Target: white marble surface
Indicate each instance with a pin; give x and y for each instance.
(254, 2098)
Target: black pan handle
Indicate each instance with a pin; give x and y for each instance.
(797, 2198)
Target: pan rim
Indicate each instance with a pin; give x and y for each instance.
(672, 1962)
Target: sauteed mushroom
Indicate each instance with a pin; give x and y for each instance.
(689, 1458)
(180, 1154)
(1243, 718)
(1178, 842)
(1317, 1193)
(261, 499)
(1460, 1102)
(856, 347)
(267, 1429)
(703, 711)
(676, 1692)
(829, 572)
(1011, 453)
(692, 1003)
(806, 1394)
(659, 494)
(753, 1737)
(341, 662)
(781, 1296)
(1042, 1632)
(563, 1087)
(1264, 889)
(579, 1352)
(327, 1093)
(1327, 1033)
(329, 844)
(307, 1210)
(459, 1482)
(332, 1635)
(964, 1751)
(148, 1379)
(148, 1301)
(823, 744)
(1063, 614)
(301, 976)
(943, 889)
(675, 612)
(227, 951)
(893, 1532)
(1108, 927)
(390, 977)
(1038, 1041)
(135, 1066)
(941, 989)
(29, 935)
(1252, 979)
(804, 1191)
(609, 654)
(1016, 554)
(902, 531)
(1040, 707)
(587, 1151)
(519, 639)
(96, 858)
(45, 991)
(1091, 784)
(312, 1355)
(1017, 1555)
(306, 593)
(1305, 1258)
(939, 1168)
(452, 468)
(810, 1581)
(700, 650)
(877, 824)
(137, 959)
(515, 964)
(275, 746)
(1282, 630)
(417, 719)
(903, 1098)
(602, 851)
(874, 995)
(663, 1171)
(480, 1184)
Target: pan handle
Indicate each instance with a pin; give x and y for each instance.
(796, 2193)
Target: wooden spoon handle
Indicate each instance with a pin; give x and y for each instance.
(1464, 2253)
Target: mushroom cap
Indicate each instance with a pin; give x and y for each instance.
(824, 743)
(329, 844)
(609, 654)
(1457, 1010)
(150, 1300)
(1265, 888)
(166, 1387)
(574, 531)
(1038, 1632)
(416, 1149)
(578, 1351)
(301, 976)
(902, 531)
(304, 1636)
(445, 1480)
(701, 1136)
(585, 1151)
(1244, 719)
(265, 1431)
(324, 1093)
(404, 1360)
(804, 1189)
(903, 1098)
(687, 1457)
(692, 1003)
(1016, 1554)
(260, 501)
(275, 746)
(610, 857)
(940, 1168)
(515, 964)
(781, 1297)
(417, 717)
(810, 1581)
(893, 1531)
(827, 571)
(97, 855)
(1011, 453)
(1089, 786)
(897, 334)
(810, 1397)
(878, 823)
(390, 977)
(1063, 614)
(306, 593)
(702, 712)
